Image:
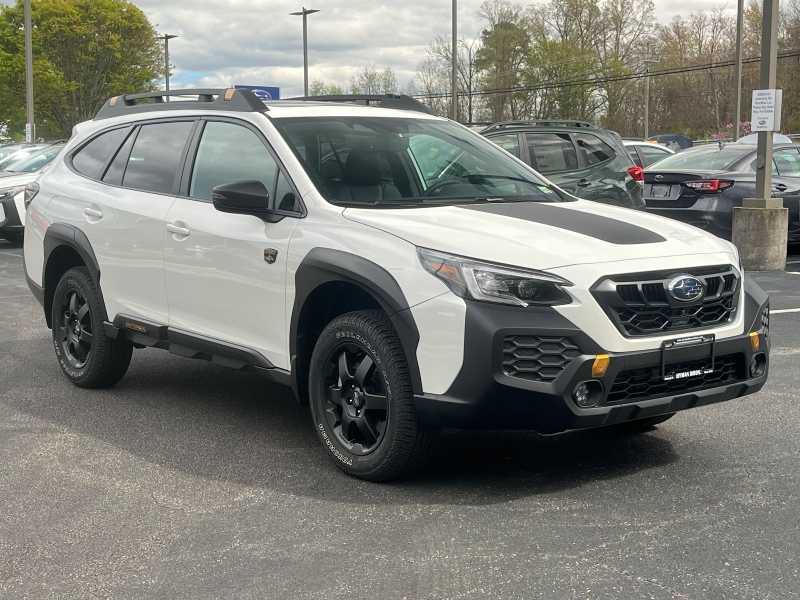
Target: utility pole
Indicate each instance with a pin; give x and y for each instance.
(647, 63)
(30, 127)
(739, 32)
(454, 65)
(167, 37)
(304, 13)
(760, 225)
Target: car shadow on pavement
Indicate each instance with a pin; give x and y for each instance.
(236, 427)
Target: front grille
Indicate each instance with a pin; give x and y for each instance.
(640, 304)
(641, 384)
(537, 358)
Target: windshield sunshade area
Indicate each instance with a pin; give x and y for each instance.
(31, 163)
(394, 162)
(705, 158)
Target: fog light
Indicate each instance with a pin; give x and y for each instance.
(758, 365)
(588, 394)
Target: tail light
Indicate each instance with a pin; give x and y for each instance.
(637, 173)
(709, 186)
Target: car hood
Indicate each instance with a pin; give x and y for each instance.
(9, 180)
(542, 235)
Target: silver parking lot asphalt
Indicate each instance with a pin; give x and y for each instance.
(191, 481)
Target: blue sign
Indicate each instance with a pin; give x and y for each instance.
(265, 93)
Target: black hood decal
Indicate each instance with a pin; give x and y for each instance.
(596, 226)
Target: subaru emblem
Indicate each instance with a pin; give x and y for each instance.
(686, 288)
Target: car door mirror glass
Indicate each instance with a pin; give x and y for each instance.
(244, 198)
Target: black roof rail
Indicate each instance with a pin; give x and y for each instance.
(539, 123)
(397, 101)
(207, 99)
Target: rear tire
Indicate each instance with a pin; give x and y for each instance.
(86, 355)
(361, 398)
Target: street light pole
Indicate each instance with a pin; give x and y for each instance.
(739, 32)
(454, 65)
(768, 80)
(304, 13)
(167, 37)
(761, 224)
(30, 127)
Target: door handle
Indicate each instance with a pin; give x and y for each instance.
(584, 183)
(178, 231)
(781, 187)
(93, 213)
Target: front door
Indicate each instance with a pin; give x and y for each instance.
(226, 273)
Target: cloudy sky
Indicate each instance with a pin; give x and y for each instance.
(256, 42)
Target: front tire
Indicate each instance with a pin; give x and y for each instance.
(361, 398)
(86, 355)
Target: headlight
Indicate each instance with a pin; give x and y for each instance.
(6, 193)
(495, 283)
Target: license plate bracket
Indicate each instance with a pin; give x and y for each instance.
(660, 191)
(673, 349)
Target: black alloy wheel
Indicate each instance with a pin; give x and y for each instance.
(357, 409)
(74, 329)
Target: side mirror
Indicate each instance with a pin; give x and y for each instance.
(245, 198)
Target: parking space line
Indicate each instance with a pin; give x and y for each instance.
(7, 253)
(781, 311)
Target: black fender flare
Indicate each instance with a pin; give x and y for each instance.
(756, 301)
(63, 234)
(324, 265)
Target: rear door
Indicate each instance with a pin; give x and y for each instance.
(121, 204)
(554, 155)
(604, 176)
(226, 273)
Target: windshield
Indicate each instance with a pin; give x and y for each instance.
(30, 163)
(7, 151)
(387, 162)
(704, 158)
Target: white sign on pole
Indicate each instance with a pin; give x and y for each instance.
(767, 105)
(28, 133)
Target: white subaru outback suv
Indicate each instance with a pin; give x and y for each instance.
(400, 272)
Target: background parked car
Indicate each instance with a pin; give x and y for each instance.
(16, 175)
(645, 154)
(673, 141)
(587, 161)
(702, 185)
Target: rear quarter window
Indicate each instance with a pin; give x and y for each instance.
(91, 160)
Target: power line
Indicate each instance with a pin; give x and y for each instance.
(613, 78)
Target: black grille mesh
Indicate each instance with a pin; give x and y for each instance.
(537, 358)
(639, 384)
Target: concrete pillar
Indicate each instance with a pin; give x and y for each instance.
(761, 234)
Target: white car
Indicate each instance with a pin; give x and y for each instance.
(402, 273)
(18, 174)
(645, 154)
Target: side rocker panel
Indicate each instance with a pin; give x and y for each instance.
(323, 265)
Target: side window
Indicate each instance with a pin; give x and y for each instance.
(508, 142)
(593, 149)
(634, 155)
(552, 152)
(788, 162)
(230, 153)
(156, 156)
(652, 155)
(94, 156)
(285, 198)
(117, 167)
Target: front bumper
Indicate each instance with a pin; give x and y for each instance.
(488, 394)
